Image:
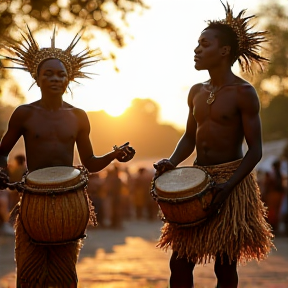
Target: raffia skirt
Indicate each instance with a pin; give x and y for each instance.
(46, 266)
(240, 230)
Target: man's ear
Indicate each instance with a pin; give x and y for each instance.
(225, 50)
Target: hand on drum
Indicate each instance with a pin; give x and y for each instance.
(221, 193)
(163, 166)
(125, 152)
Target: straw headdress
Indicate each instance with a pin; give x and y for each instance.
(249, 42)
(29, 56)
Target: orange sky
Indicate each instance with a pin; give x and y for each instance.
(157, 63)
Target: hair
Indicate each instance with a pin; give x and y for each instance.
(227, 37)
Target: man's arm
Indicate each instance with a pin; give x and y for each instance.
(14, 132)
(8, 141)
(89, 160)
(249, 106)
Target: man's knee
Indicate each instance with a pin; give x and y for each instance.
(178, 264)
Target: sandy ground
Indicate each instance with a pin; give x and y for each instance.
(128, 258)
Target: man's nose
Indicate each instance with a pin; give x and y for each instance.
(197, 50)
(55, 77)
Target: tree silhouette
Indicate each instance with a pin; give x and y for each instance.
(272, 84)
(43, 13)
(273, 17)
(39, 14)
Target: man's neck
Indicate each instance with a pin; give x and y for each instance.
(51, 104)
(220, 79)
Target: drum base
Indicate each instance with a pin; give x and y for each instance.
(187, 213)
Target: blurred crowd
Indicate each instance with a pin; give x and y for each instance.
(119, 195)
(273, 187)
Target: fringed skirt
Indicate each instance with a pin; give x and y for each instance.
(43, 266)
(240, 230)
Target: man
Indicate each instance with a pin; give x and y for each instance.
(223, 111)
(50, 128)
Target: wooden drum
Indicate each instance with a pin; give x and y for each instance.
(184, 194)
(54, 207)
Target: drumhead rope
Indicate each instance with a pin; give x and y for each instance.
(55, 180)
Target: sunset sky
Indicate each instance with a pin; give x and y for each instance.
(156, 63)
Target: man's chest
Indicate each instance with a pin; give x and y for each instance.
(223, 110)
(51, 126)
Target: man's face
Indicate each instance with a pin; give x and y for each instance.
(52, 77)
(208, 52)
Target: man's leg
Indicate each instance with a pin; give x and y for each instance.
(226, 273)
(181, 272)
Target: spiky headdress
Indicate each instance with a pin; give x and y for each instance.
(29, 56)
(249, 43)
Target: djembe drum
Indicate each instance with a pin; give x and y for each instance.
(54, 207)
(183, 195)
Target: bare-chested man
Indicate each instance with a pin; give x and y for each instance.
(223, 111)
(50, 128)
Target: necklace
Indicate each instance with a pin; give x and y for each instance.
(211, 98)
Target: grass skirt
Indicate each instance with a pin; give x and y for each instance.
(43, 266)
(240, 230)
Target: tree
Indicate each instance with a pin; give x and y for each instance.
(99, 15)
(273, 17)
(43, 13)
(272, 84)
(275, 118)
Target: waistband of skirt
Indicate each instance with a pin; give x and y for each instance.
(231, 164)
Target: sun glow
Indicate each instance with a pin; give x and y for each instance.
(157, 63)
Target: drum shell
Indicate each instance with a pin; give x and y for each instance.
(55, 214)
(55, 218)
(189, 210)
(188, 206)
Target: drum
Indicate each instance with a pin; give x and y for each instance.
(54, 206)
(184, 194)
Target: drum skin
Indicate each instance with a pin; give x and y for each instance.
(55, 216)
(184, 194)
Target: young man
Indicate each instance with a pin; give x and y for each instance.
(223, 111)
(50, 128)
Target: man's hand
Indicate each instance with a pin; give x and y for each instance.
(4, 179)
(162, 166)
(124, 153)
(221, 193)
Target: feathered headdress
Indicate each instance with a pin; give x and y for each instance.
(249, 43)
(29, 55)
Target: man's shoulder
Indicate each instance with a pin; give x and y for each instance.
(24, 109)
(244, 86)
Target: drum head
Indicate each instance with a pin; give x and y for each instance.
(52, 175)
(181, 180)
